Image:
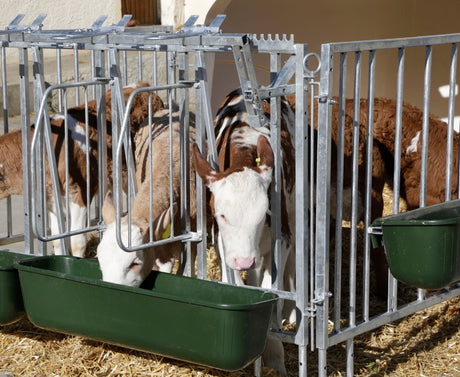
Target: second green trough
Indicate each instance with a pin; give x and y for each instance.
(423, 245)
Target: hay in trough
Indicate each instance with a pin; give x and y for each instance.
(426, 343)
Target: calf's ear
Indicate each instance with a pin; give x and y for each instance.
(162, 224)
(108, 209)
(202, 166)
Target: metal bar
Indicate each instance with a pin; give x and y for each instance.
(275, 133)
(40, 96)
(450, 122)
(118, 110)
(392, 282)
(425, 135)
(425, 125)
(396, 43)
(25, 127)
(339, 191)
(354, 210)
(301, 210)
(184, 103)
(391, 316)
(139, 66)
(201, 77)
(76, 74)
(59, 76)
(9, 215)
(368, 198)
(200, 132)
(323, 179)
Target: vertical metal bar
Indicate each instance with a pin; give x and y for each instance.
(392, 282)
(323, 177)
(354, 210)
(368, 199)
(171, 160)
(339, 191)
(139, 65)
(155, 68)
(450, 122)
(59, 76)
(88, 174)
(201, 76)
(125, 67)
(39, 90)
(40, 188)
(184, 116)
(301, 208)
(171, 71)
(118, 111)
(77, 74)
(99, 71)
(275, 126)
(25, 124)
(200, 190)
(425, 136)
(310, 225)
(9, 216)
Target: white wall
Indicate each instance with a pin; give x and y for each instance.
(61, 14)
(176, 12)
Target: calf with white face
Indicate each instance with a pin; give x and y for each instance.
(129, 268)
(153, 209)
(240, 198)
(240, 204)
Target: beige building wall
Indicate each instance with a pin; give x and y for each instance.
(317, 22)
(61, 14)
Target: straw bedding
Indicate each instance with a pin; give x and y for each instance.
(424, 344)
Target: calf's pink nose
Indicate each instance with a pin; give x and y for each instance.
(244, 263)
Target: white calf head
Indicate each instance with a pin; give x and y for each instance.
(117, 265)
(240, 204)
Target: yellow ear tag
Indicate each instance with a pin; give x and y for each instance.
(258, 161)
(167, 232)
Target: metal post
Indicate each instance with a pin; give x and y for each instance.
(301, 210)
(25, 122)
(322, 207)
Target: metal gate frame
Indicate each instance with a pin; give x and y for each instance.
(323, 293)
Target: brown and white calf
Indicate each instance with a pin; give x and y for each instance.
(240, 196)
(149, 220)
(11, 180)
(411, 151)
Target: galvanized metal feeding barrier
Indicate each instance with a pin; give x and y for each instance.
(175, 64)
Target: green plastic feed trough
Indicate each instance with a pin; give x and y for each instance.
(423, 245)
(11, 306)
(197, 321)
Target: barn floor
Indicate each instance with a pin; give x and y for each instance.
(424, 344)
